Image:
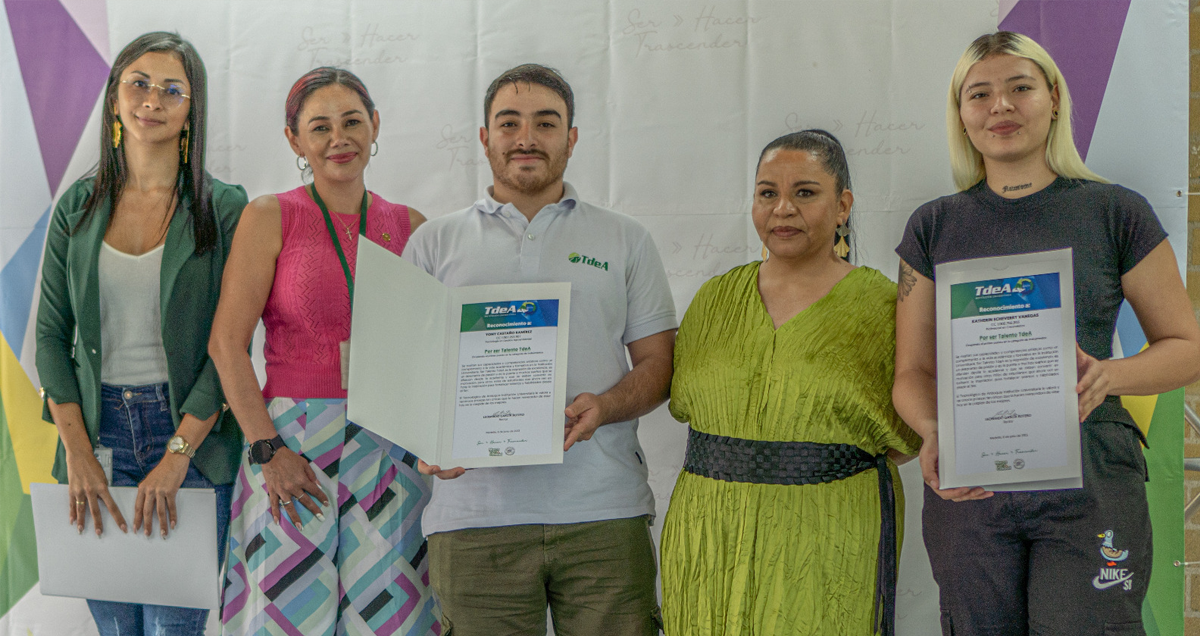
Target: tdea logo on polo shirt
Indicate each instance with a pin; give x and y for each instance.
(576, 257)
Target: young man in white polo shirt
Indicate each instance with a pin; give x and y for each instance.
(506, 542)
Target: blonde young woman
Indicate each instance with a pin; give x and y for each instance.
(1011, 563)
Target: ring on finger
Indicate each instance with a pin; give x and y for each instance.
(285, 503)
(80, 502)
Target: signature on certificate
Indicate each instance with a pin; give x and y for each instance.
(1006, 415)
(502, 415)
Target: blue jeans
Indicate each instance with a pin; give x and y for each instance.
(135, 422)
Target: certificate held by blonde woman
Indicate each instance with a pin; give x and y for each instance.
(1008, 415)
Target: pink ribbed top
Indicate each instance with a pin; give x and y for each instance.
(308, 311)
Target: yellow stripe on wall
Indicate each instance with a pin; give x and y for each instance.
(1141, 407)
(34, 440)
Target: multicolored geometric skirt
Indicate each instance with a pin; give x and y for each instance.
(363, 570)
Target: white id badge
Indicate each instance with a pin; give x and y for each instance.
(104, 456)
(344, 348)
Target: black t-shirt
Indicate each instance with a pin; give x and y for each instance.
(1109, 228)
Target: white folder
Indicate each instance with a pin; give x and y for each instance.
(179, 571)
(404, 357)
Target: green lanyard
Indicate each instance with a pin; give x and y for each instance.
(337, 245)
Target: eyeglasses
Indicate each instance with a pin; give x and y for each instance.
(170, 96)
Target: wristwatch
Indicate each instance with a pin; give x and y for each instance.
(263, 450)
(180, 446)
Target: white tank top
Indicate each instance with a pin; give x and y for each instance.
(130, 326)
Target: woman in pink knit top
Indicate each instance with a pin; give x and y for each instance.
(326, 530)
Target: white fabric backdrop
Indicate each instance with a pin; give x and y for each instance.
(674, 100)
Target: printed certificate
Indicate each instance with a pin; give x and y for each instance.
(507, 355)
(1008, 414)
(458, 376)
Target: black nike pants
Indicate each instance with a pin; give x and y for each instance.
(1049, 563)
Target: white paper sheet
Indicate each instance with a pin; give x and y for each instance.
(504, 400)
(179, 571)
(1007, 409)
(398, 338)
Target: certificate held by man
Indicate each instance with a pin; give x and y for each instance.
(506, 361)
(466, 376)
(1008, 414)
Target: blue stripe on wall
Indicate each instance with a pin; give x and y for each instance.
(18, 282)
(1129, 330)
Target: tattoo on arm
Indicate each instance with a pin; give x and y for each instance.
(906, 280)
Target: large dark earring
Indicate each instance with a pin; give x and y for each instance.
(374, 148)
(116, 133)
(183, 143)
(840, 246)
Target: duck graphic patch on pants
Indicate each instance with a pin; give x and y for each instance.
(1110, 573)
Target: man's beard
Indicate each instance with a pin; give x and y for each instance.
(528, 183)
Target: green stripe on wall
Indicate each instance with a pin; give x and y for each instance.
(18, 569)
(1163, 609)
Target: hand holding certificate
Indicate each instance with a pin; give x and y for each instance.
(467, 376)
(1008, 415)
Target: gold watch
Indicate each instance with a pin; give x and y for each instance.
(179, 446)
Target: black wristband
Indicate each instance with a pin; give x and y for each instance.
(263, 450)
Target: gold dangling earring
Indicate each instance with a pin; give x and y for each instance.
(840, 246)
(183, 144)
(116, 133)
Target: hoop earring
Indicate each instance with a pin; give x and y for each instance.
(300, 158)
(374, 148)
(183, 143)
(1054, 114)
(116, 133)
(840, 246)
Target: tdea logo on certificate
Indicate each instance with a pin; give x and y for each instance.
(458, 376)
(1008, 415)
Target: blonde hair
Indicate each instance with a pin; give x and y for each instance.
(966, 163)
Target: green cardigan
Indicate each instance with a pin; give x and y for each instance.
(68, 321)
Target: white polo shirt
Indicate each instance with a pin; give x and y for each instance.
(619, 294)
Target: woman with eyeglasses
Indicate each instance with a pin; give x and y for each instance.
(130, 282)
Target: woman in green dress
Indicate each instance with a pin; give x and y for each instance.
(785, 519)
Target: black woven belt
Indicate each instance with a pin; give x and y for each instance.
(806, 463)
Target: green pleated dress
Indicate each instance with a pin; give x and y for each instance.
(759, 559)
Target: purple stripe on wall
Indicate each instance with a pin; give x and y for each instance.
(1082, 37)
(63, 76)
